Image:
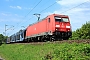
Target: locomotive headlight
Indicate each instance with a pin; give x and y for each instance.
(56, 29)
(68, 30)
(57, 25)
(67, 26)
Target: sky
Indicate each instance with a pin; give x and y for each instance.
(18, 14)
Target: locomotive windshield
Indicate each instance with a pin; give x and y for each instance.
(59, 19)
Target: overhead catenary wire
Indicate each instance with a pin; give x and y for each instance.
(29, 13)
(48, 7)
(66, 10)
(44, 9)
(34, 7)
(75, 6)
(61, 12)
(54, 4)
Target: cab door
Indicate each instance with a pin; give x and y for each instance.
(48, 25)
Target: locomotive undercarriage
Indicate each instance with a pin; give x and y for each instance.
(54, 37)
(62, 35)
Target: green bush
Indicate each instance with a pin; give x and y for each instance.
(82, 33)
(47, 51)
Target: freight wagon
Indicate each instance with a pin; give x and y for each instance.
(17, 37)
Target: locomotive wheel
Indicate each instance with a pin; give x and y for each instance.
(52, 38)
(43, 39)
(28, 40)
(31, 39)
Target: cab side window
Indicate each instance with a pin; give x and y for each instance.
(49, 20)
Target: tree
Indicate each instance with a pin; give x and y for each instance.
(1, 38)
(82, 33)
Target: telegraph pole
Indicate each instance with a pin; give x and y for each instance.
(5, 29)
(38, 16)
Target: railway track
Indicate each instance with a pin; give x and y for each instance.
(63, 41)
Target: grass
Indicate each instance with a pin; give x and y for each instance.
(47, 51)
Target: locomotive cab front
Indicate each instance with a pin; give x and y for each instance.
(62, 27)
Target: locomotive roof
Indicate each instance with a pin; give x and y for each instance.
(48, 16)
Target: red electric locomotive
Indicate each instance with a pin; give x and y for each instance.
(52, 27)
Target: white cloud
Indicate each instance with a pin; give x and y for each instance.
(9, 17)
(70, 2)
(4, 14)
(17, 7)
(76, 11)
(12, 6)
(78, 14)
